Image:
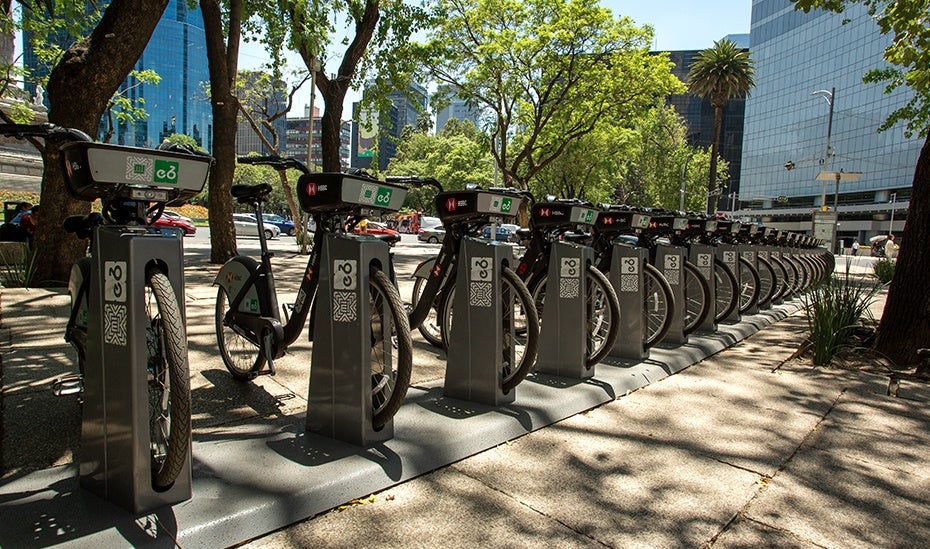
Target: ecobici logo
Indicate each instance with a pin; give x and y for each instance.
(376, 195)
(166, 172)
(502, 205)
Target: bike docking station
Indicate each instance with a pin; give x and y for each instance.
(476, 350)
(702, 256)
(115, 439)
(670, 260)
(627, 275)
(728, 254)
(763, 251)
(563, 329)
(749, 253)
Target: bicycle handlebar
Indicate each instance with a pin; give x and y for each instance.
(279, 163)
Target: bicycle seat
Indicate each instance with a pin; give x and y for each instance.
(249, 194)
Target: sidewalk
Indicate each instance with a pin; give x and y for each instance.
(737, 450)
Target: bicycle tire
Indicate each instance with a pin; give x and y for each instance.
(390, 374)
(767, 282)
(697, 298)
(748, 284)
(525, 329)
(430, 328)
(600, 334)
(241, 356)
(658, 306)
(169, 381)
(727, 298)
(782, 276)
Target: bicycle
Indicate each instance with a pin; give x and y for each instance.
(249, 331)
(624, 223)
(549, 222)
(465, 214)
(134, 185)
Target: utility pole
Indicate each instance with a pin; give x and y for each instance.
(894, 200)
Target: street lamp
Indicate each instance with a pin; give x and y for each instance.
(684, 180)
(894, 199)
(829, 97)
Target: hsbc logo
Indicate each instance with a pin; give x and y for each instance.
(545, 212)
(311, 189)
(608, 220)
(653, 225)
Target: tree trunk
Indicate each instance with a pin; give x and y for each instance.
(331, 128)
(223, 61)
(714, 146)
(905, 322)
(78, 90)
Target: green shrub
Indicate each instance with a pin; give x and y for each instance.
(834, 310)
(883, 270)
(17, 266)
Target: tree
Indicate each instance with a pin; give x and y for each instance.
(80, 85)
(545, 72)
(222, 30)
(719, 73)
(380, 45)
(905, 322)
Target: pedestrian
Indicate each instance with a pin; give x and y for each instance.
(890, 247)
(855, 247)
(29, 222)
(21, 210)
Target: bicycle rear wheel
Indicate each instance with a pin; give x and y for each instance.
(391, 348)
(697, 298)
(658, 306)
(168, 380)
(748, 284)
(602, 314)
(767, 282)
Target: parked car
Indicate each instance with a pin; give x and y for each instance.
(286, 225)
(376, 228)
(433, 235)
(247, 225)
(506, 232)
(173, 220)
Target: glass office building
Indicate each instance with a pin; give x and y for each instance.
(797, 55)
(177, 104)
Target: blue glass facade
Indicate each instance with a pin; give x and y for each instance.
(797, 54)
(178, 104)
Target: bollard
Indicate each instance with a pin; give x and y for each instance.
(670, 260)
(339, 402)
(476, 350)
(563, 333)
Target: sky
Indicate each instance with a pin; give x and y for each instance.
(677, 24)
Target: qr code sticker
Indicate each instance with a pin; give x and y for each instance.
(629, 283)
(673, 276)
(345, 306)
(115, 322)
(569, 288)
(479, 294)
(139, 168)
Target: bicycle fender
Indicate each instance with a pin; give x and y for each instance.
(233, 276)
(423, 269)
(80, 272)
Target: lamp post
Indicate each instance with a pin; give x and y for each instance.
(684, 180)
(894, 200)
(829, 97)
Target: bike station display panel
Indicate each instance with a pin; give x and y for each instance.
(670, 260)
(728, 254)
(339, 402)
(115, 439)
(563, 332)
(476, 349)
(628, 279)
(702, 256)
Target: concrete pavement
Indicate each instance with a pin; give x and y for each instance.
(737, 450)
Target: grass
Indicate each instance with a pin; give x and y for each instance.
(834, 310)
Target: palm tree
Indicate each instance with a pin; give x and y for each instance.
(719, 73)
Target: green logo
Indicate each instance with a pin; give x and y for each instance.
(165, 172)
(384, 196)
(589, 217)
(506, 204)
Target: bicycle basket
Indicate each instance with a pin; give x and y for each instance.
(102, 170)
(550, 214)
(620, 221)
(476, 203)
(334, 191)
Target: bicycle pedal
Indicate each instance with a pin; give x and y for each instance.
(68, 385)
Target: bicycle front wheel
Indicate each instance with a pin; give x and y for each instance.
(602, 313)
(727, 291)
(168, 380)
(520, 332)
(697, 298)
(658, 306)
(241, 355)
(391, 348)
(748, 284)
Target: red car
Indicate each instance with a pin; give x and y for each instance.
(376, 228)
(177, 222)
